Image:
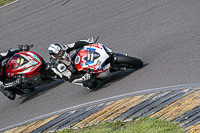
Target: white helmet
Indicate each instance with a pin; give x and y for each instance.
(57, 51)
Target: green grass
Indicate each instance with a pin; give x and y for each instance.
(3, 2)
(144, 125)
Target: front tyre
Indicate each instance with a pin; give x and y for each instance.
(127, 61)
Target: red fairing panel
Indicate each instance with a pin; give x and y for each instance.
(26, 63)
(91, 57)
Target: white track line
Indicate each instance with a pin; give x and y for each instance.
(9, 4)
(169, 88)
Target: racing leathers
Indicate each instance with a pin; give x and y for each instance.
(8, 87)
(65, 67)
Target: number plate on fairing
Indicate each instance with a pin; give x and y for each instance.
(91, 57)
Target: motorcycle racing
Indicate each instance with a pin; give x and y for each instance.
(85, 63)
(89, 63)
(22, 70)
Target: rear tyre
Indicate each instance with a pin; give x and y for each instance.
(128, 62)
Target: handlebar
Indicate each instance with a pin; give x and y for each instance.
(96, 39)
(30, 46)
(25, 47)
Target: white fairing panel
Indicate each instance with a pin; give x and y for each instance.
(100, 60)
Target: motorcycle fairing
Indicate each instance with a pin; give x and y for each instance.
(91, 57)
(26, 63)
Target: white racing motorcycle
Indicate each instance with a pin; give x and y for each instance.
(102, 61)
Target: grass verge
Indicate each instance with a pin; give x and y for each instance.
(144, 125)
(3, 2)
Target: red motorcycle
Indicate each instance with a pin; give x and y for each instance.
(31, 67)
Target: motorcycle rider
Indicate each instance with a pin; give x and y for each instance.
(7, 88)
(64, 66)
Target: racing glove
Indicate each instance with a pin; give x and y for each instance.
(25, 47)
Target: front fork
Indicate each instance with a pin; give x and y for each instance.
(114, 66)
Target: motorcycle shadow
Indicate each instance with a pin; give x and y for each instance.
(41, 90)
(109, 81)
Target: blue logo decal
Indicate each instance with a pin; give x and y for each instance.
(87, 63)
(91, 49)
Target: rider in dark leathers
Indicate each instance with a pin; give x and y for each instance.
(8, 88)
(63, 63)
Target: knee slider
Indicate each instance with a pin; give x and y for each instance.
(61, 67)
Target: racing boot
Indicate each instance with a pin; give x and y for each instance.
(89, 84)
(92, 84)
(90, 40)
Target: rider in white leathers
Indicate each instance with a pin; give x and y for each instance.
(63, 65)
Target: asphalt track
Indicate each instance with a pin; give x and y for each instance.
(163, 33)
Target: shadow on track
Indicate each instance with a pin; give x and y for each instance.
(41, 90)
(105, 83)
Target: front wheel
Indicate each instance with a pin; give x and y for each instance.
(127, 61)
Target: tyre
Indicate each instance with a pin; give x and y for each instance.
(128, 61)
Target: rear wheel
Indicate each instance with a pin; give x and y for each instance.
(127, 61)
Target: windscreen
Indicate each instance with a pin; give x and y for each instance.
(16, 62)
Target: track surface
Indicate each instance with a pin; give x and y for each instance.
(165, 34)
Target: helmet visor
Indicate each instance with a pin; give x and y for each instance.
(60, 54)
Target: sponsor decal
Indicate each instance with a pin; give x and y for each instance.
(22, 61)
(87, 63)
(18, 60)
(99, 63)
(90, 49)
